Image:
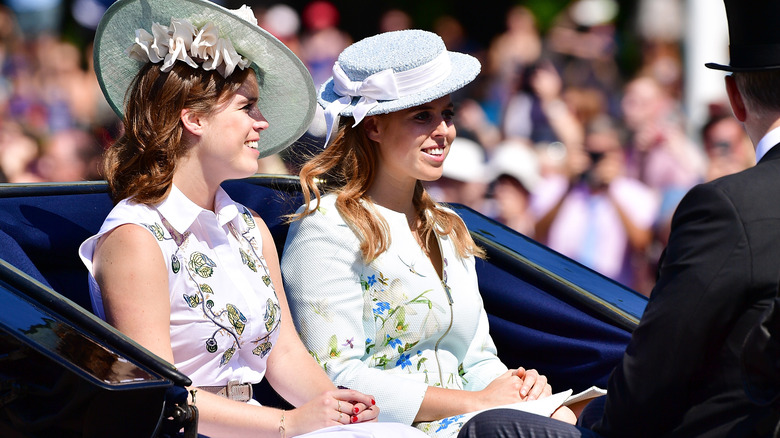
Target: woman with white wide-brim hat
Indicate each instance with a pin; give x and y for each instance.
(178, 266)
(390, 303)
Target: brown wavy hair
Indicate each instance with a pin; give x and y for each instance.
(347, 167)
(141, 163)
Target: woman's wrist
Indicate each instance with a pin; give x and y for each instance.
(282, 426)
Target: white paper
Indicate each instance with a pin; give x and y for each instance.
(592, 392)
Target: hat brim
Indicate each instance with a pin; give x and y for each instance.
(464, 69)
(728, 68)
(287, 95)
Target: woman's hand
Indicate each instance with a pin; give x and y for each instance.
(342, 406)
(535, 385)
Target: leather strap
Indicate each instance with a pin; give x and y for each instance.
(233, 390)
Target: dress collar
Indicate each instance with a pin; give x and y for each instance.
(181, 212)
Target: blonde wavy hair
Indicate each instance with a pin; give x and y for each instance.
(347, 167)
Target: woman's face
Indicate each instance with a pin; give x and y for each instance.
(231, 132)
(414, 142)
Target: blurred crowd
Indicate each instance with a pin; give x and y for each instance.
(554, 139)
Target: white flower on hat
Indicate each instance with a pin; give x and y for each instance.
(182, 41)
(179, 44)
(246, 13)
(149, 47)
(203, 45)
(225, 58)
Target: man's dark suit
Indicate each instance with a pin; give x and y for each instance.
(680, 374)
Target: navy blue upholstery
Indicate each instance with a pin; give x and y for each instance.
(533, 328)
(532, 324)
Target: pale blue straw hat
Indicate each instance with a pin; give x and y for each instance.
(392, 71)
(287, 96)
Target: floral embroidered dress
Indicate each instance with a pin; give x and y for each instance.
(224, 310)
(392, 327)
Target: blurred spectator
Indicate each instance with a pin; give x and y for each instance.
(728, 147)
(70, 155)
(19, 152)
(660, 153)
(473, 122)
(536, 111)
(394, 19)
(519, 46)
(515, 174)
(660, 26)
(322, 40)
(597, 215)
(283, 22)
(582, 44)
(464, 176)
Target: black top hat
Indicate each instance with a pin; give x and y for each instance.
(754, 40)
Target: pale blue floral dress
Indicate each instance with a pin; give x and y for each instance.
(392, 327)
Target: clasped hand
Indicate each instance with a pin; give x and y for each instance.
(515, 386)
(342, 406)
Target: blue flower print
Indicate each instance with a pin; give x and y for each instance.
(371, 280)
(404, 361)
(447, 422)
(393, 342)
(381, 307)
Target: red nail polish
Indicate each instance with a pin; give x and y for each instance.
(373, 402)
(356, 410)
(354, 419)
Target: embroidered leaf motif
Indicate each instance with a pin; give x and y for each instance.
(248, 260)
(248, 219)
(206, 289)
(175, 264)
(382, 279)
(227, 355)
(262, 349)
(192, 300)
(271, 310)
(266, 280)
(236, 318)
(157, 230)
(333, 347)
(202, 265)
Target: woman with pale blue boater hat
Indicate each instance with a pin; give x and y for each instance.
(180, 267)
(390, 302)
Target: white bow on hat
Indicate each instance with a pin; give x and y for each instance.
(378, 86)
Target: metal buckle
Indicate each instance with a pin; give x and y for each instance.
(238, 391)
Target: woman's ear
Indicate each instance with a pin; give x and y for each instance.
(192, 121)
(371, 125)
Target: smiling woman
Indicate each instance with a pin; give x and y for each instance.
(388, 268)
(180, 267)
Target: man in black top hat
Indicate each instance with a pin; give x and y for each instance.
(680, 374)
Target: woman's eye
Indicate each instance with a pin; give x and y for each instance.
(423, 116)
(448, 115)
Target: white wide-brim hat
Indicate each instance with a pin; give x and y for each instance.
(518, 160)
(392, 71)
(287, 95)
(466, 162)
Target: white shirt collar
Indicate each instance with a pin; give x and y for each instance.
(768, 141)
(181, 212)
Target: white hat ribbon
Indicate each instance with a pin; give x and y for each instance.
(378, 86)
(383, 85)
